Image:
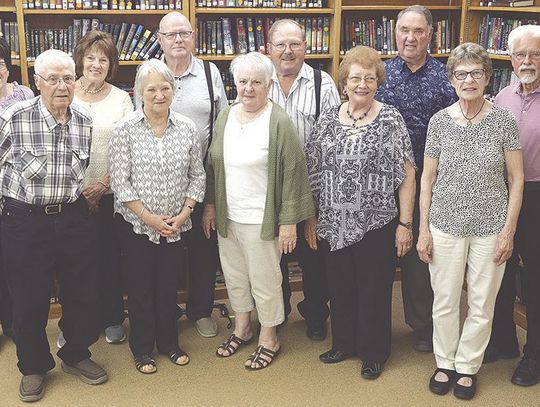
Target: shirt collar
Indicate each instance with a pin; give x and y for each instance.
(49, 118)
(518, 90)
(304, 72)
(404, 67)
(139, 115)
(192, 68)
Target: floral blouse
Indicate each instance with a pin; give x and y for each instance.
(354, 173)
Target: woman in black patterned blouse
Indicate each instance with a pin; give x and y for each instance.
(359, 157)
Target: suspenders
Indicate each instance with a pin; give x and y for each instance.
(212, 106)
(318, 79)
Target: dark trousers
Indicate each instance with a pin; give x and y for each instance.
(6, 306)
(314, 306)
(203, 260)
(36, 247)
(150, 276)
(415, 282)
(360, 279)
(111, 303)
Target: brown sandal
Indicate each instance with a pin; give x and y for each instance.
(256, 357)
(229, 347)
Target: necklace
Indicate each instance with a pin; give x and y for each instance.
(356, 119)
(91, 92)
(470, 119)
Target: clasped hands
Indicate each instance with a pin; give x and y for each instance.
(166, 225)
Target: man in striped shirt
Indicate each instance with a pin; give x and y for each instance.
(46, 230)
(294, 89)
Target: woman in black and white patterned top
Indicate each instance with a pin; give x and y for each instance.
(468, 216)
(359, 157)
(157, 177)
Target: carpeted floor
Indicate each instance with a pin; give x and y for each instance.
(297, 378)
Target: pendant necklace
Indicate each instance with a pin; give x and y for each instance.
(91, 92)
(356, 119)
(470, 119)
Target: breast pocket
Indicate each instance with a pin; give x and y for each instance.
(34, 163)
(79, 162)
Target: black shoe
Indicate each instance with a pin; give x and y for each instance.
(316, 332)
(465, 392)
(441, 388)
(371, 370)
(492, 354)
(527, 372)
(334, 356)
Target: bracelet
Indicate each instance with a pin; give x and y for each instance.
(407, 225)
(142, 211)
(105, 185)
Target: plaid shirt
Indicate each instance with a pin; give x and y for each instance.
(43, 162)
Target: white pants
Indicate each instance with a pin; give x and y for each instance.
(451, 256)
(252, 273)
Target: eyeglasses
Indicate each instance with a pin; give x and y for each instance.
(294, 46)
(55, 80)
(417, 33)
(172, 35)
(3, 66)
(475, 74)
(356, 80)
(521, 55)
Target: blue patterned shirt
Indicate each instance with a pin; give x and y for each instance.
(418, 96)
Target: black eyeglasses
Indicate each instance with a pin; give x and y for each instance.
(475, 74)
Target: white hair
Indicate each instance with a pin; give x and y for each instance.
(518, 33)
(53, 57)
(255, 61)
(148, 67)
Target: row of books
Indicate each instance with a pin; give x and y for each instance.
(501, 78)
(11, 34)
(494, 31)
(238, 35)
(507, 3)
(228, 83)
(133, 41)
(261, 3)
(103, 4)
(380, 35)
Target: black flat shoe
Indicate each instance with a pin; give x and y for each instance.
(441, 388)
(333, 356)
(371, 370)
(465, 392)
(527, 373)
(492, 354)
(316, 333)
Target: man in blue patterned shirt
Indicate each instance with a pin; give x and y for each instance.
(418, 86)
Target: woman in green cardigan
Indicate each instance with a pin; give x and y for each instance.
(257, 191)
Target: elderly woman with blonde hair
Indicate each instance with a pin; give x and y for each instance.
(257, 191)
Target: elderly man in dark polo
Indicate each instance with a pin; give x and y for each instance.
(46, 230)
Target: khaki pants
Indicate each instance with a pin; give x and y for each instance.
(252, 274)
(451, 257)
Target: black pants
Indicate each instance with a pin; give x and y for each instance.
(314, 306)
(36, 247)
(203, 260)
(111, 303)
(6, 306)
(150, 276)
(360, 279)
(528, 247)
(415, 282)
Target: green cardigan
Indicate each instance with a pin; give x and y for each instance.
(288, 195)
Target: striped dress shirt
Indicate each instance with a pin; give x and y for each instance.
(43, 162)
(300, 103)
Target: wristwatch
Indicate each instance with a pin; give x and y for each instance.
(407, 225)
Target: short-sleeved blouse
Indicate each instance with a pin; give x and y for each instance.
(470, 196)
(20, 93)
(354, 175)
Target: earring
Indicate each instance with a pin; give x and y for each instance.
(345, 92)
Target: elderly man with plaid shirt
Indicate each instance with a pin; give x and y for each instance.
(46, 230)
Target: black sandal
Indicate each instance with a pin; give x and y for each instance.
(145, 360)
(228, 345)
(177, 354)
(256, 357)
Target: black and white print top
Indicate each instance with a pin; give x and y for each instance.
(470, 197)
(354, 173)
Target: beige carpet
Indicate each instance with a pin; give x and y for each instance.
(297, 378)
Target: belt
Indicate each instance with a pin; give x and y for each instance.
(52, 209)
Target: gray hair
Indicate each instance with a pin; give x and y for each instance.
(472, 53)
(53, 57)
(284, 21)
(256, 61)
(518, 33)
(146, 68)
(418, 9)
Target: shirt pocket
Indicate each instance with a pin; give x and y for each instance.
(79, 162)
(34, 163)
